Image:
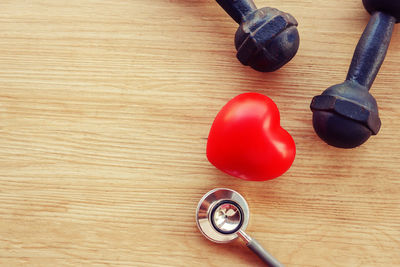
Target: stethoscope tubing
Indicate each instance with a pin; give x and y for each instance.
(257, 249)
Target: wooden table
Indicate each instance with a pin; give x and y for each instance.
(105, 109)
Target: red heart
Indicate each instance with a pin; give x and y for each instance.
(247, 141)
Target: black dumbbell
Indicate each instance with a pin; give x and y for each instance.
(266, 38)
(346, 115)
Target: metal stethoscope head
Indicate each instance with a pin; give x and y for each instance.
(222, 215)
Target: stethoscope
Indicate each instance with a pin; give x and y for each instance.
(222, 215)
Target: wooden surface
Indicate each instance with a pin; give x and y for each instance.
(105, 108)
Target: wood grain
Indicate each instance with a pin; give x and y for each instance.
(105, 108)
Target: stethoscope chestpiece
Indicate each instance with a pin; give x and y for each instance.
(221, 213)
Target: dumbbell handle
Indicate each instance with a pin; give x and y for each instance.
(371, 49)
(237, 9)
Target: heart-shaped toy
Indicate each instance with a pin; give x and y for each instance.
(246, 139)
